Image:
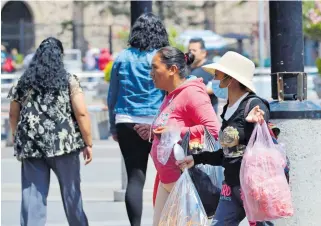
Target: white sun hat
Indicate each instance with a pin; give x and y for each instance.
(235, 65)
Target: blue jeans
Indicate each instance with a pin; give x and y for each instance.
(230, 211)
(35, 178)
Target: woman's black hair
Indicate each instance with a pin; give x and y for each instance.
(46, 70)
(172, 56)
(243, 87)
(148, 32)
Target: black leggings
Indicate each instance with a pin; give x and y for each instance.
(135, 152)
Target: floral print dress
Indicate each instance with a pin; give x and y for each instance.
(47, 126)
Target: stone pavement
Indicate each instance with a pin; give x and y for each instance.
(99, 181)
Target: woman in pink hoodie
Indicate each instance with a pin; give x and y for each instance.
(186, 105)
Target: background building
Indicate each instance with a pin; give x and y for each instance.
(105, 24)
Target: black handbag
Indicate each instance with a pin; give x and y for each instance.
(208, 190)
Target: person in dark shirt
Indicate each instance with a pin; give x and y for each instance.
(234, 72)
(197, 48)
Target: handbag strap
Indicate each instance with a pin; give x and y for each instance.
(247, 106)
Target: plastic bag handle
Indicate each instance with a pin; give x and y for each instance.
(263, 132)
(253, 136)
(267, 134)
(247, 106)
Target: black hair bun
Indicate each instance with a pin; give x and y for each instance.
(189, 58)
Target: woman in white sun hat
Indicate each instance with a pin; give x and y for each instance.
(234, 72)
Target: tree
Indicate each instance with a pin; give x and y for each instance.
(166, 10)
(78, 26)
(209, 15)
(187, 16)
(77, 22)
(172, 37)
(160, 6)
(312, 23)
(312, 19)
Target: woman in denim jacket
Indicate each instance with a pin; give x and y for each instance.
(133, 99)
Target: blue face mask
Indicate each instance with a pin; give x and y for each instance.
(219, 92)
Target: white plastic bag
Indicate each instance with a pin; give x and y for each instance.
(206, 178)
(165, 147)
(214, 172)
(184, 206)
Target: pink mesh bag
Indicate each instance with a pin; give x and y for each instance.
(266, 193)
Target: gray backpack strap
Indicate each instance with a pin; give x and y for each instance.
(247, 107)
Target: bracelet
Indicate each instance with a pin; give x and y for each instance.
(88, 145)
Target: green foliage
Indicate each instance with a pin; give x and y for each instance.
(311, 20)
(318, 65)
(312, 24)
(66, 25)
(19, 59)
(173, 39)
(313, 32)
(123, 36)
(240, 3)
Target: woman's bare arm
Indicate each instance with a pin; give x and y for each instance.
(82, 116)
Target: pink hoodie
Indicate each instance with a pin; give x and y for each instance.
(189, 107)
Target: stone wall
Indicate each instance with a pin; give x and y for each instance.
(243, 19)
(49, 16)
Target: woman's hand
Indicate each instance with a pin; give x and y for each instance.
(115, 137)
(256, 115)
(88, 154)
(142, 130)
(187, 162)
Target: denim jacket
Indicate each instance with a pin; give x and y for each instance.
(132, 91)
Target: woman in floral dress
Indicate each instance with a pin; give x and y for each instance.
(51, 126)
